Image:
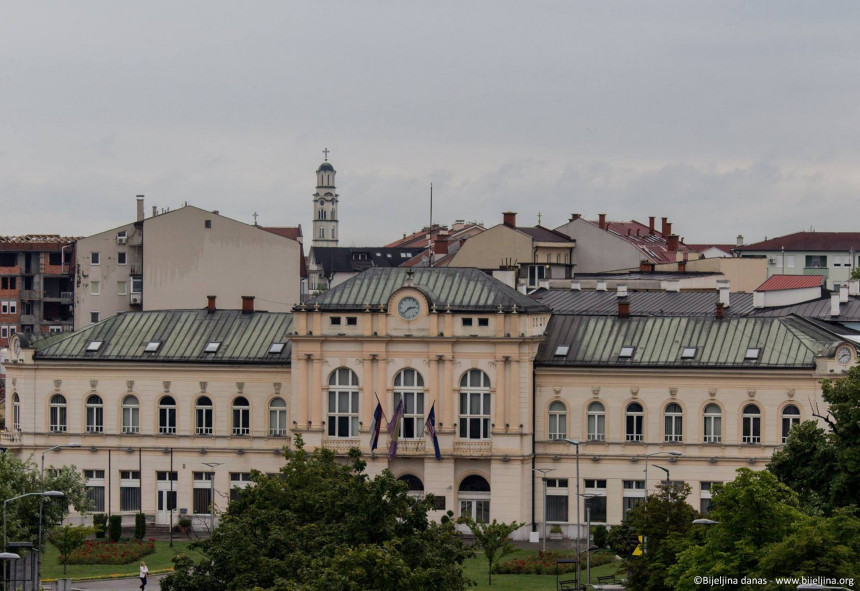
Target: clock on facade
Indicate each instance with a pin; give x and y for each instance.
(408, 308)
(843, 355)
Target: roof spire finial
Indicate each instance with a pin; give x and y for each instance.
(325, 153)
(538, 218)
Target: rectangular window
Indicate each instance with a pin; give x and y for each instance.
(4, 307)
(596, 490)
(94, 258)
(467, 322)
(557, 500)
(343, 414)
(536, 274)
(816, 262)
(202, 496)
(122, 288)
(55, 258)
(634, 493)
(96, 488)
(352, 321)
(121, 258)
(335, 320)
(412, 425)
(95, 287)
(4, 332)
(129, 490)
(94, 317)
(483, 322)
(705, 497)
(238, 482)
(474, 415)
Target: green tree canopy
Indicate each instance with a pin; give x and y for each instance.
(324, 525)
(492, 538)
(18, 477)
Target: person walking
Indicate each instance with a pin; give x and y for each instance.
(143, 572)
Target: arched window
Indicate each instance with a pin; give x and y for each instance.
(596, 422)
(343, 403)
(130, 414)
(790, 418)
(474, 493)
(16, 412)
(713, 430)
(277, 418)
(241, 416)
(322, 232)
(557, 420)
(58, 413)
(475, 405)
(673, 422)
(203, 416)
(95, 414)
(416, 487)
(167, 415)
(751, 424)
(409, 387)
(634, 422)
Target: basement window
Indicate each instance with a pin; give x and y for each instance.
(561, 350)
(276, 348)
(752, 353)
(94, 346)
(212, 347)
(152, 346)
(688, 353)
(626, 352)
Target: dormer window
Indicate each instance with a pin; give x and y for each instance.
(94, 346)
(152, 346)
(626, 352)
(561, 350)
(688, 353)
(212, 347)
(752, 354)
(276, 348)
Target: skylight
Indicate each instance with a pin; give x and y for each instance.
(752, 353)
(152, 346)
(688, 353)
(212, 347)
(561, 350)
(626, 352)
(276, 348)
(94, 346)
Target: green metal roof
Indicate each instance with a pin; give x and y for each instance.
(182, 336)
(597, 341)
(463, 289)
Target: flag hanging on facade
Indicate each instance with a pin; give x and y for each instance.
(394, 429)
(430, 429)
(375, 426)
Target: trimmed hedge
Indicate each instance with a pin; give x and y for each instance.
(139, 526)
(115, 527)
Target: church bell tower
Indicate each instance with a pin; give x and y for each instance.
(325, 230)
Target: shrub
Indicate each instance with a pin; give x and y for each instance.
(93, 552)
(139, 526)
(601, 534)
(99, 524)
(115, 527)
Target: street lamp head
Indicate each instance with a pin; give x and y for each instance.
(674, 453)
(572, 442)
(71, 445)
(705, 522)
(52, 493)
(9, 556)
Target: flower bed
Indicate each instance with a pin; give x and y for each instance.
(543, 563)
(97, 552)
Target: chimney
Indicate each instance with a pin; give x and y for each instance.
(682, 266)
(672, 242)
(211, 305)
(646, 266)
(574, 217)
(575, 286)
(854, 287)
(601, 285)
(140, 208)
(623, 307)
(509, 218)
(723, 286)
(665, 222)
(601, 221)
(668, 229)
(247, 304)
(440, 247)
(720, 311)
(651, 225)
(834, 304)
(740, 240)
(621, 291)
(843, 292)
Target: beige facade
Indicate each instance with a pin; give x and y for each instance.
(498, 246)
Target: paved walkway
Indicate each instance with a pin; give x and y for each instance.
(129, 584)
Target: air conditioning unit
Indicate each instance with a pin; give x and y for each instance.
(121, 239)
(771, 261)
(135, 299)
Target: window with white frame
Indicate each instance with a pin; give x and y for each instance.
(277, 418)
(751, 424)
(241, 416)
(4, 332)
(96, 488)
(202, 494)
(474, 497)
(557, 421)
(4, 307)
(95, 287)
(16, 412)
(94, 258)
(557, 498)
(537, 273)
(239, 481)
(595, 500)
(634, 418)
(94, 317)
(786, 261)
(129, 490)
(790, 418)
(705, 496)
(203, 416)
(122, 288)
(596, 422)
(57, 413)
(634, 493)
(673, 423)
(121, 258)
(95, 414)
(713, 424)
(475, 405)
(130, 414)
(409, 387)
(343, 404)
(167, 415)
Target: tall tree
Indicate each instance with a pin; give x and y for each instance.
(324, 525)
(493, 539)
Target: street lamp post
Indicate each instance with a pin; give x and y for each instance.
(666, 470)
(674, 454)
(42, 489)
(543, 472)
(574, 442)
(49, 493)
(214, 465)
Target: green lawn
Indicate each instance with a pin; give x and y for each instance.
(158, 560)
(476, 569)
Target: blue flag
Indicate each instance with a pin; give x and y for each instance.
(430, 429)
(375, 426)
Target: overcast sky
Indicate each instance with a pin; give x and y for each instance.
(728, 117)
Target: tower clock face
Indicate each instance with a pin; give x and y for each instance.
(843, 355)
(322, 201)
(408, 308)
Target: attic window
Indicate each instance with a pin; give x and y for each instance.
(276, 348)
(152, 346)
(483, 322)
(335, 320)
(467, 322)
(93, 346)
(212, 347)
(352, 321)
(207, 224)
(627, 352)
(561, 350)
(688, 353)
(752, 353)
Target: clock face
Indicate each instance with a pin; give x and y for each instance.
(322, 201)
(408, 308)
(843, 355)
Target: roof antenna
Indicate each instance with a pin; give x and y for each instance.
(430, 229)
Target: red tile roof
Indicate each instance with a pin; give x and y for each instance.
(653, 246)
(782, 282)
(826, 241)
(286, 232)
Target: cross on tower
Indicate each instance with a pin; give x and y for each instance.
(255, 217)
(325, 153)
(538, 218)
